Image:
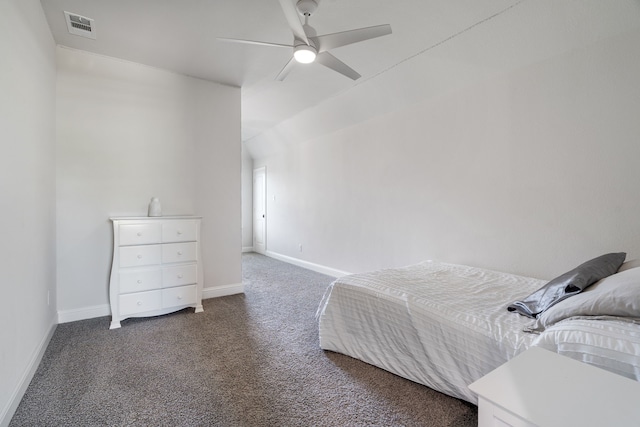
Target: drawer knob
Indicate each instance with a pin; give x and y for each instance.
(139, 233)
(179, 296)
(179, 232)
(179, 252)
(139, 302)
(139, 281)
(179, 276)
(139, 256)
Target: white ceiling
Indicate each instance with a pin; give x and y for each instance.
(180, 35)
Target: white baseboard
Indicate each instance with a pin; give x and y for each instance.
(222, 291)
(66, 316)
(18, 393)
(247, 249)
(308, 265)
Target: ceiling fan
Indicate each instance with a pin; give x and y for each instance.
(309, 47)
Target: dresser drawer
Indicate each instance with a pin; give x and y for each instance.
(140, 234)
(179, 252)
(181, 295)
(179, 231)
(140, 280)
(135, 256)
(179, 275)
(140, 302)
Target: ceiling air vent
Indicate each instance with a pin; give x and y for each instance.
(80, 25)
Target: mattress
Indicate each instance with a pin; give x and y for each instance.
(441, 325)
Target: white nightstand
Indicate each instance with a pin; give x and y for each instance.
(542, 388)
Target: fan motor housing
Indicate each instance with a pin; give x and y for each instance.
(306, 7)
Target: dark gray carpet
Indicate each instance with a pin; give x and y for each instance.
(248, 360)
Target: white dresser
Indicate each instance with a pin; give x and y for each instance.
(544, 389)
(156, 266)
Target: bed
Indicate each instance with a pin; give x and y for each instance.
(447, 325)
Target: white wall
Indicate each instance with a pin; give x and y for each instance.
(127, 132)
(532, 171)
(216, 125)
(247, 201)
(27, 202)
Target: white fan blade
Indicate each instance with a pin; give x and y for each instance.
(331, 41)
(291, 13)
(254, 42)
(330, 61)
(286, 70)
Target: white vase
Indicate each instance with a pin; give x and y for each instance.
(154, 207)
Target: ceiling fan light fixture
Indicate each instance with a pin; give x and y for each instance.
(304, 54)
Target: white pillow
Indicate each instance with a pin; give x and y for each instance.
(633, 263)
(617, 295)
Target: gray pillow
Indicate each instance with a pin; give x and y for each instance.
(616, 296)
(569, 284)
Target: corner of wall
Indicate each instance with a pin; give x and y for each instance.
(34, 362)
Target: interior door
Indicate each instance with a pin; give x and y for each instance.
(259, 210)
